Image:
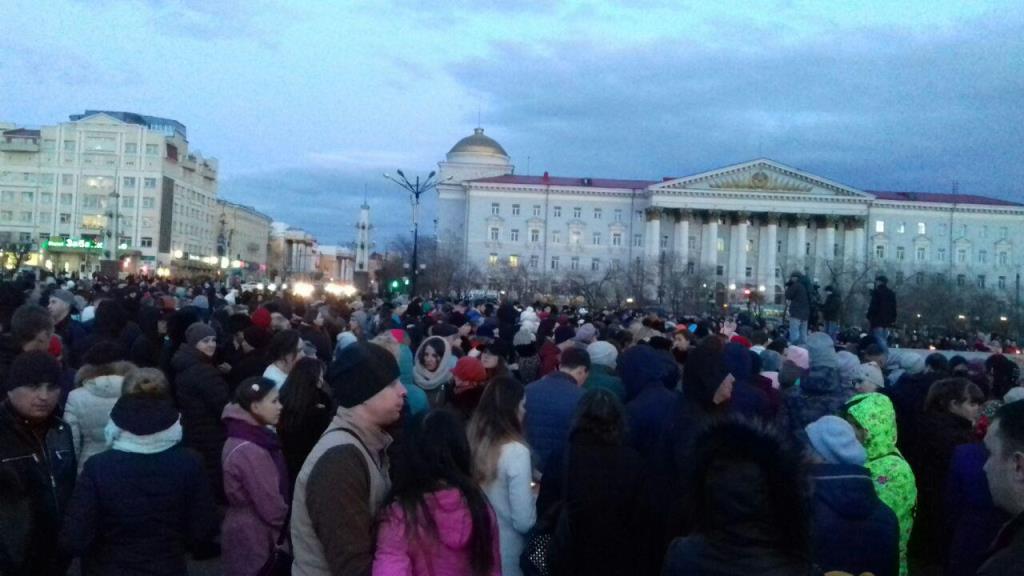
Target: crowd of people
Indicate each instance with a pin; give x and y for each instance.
(146, 422)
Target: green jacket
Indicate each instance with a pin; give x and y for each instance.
(604, 377)
(415, 397)
(894, 480)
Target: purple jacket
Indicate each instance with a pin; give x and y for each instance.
(399, 554)
(256, 508)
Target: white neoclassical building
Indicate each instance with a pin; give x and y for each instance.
(747, 225)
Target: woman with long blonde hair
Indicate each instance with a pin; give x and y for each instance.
(502, 467)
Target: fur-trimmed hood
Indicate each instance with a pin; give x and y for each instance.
(91, 372)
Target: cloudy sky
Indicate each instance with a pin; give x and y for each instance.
(307, 103)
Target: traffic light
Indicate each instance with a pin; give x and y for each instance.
(394, 284)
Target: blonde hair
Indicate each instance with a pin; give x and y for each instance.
(387, 341)
(145, 381)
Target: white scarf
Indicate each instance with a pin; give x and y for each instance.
(124, 441)
(426, 379)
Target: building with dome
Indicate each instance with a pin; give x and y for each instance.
(742, 227)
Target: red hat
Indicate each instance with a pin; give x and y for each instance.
(469, 369)
(399, 335)
(261, 318)
(740, 340)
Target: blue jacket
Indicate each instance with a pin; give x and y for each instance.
(550, 405)
(852, 530)
(650, 404)
(973, 520)
(139, 513)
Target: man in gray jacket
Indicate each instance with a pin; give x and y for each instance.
(344, 480)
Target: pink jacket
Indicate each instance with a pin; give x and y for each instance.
(256, 510)
(399, 555)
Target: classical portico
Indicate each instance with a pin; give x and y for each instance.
(754, 223)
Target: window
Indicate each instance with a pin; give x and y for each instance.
(536, 212)
(6, 215)
(919, 278)
(595, 264)
(778, 272)
(574, 263)
(618, 215)
(879, 226)
(149, 183)
(534, 261)
(129, 182)
(554, 262)
(67, 179)
(45, 217)
(984, 232)
(92, 201)
(961, 279)
(577, 212)
(920, 254)
(961, 255)
(691, 243)
(690, 267)
(750, 245)
(515, 209)
(46, 179)
(25, 217)
(963, 230)
(7, 196)
(148, 202)
(880, 252)
(45, 198)
(1003, 232)
(146, 242)
(616, 238)
(664, 242)
(152, 149)
(147, 222)
(513, 235)
(597, 239)
(28, 196)
(719, 270)
(638, 240)
(899, 278)
(1003, 258)
(980, 281)
(128, 202)
(69, 146)
(513, 261)
(574, 237)
(807, 249)
(900, 253)
(1001, 282)
(44, 236)
(65, 218)
(921, 228)
(534, 235)
(556, 237)
(749, 272)
(940, 255)
(597, 213)
(720, 244)
(131, 148)
(492, 259)
(495, 209)
(902, 228)
(558, 211)
(982, 257)
(778, 246)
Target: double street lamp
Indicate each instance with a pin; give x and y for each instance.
(416, 188)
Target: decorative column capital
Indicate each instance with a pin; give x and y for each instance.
(799, 219)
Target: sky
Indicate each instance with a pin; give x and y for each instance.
(307, 104)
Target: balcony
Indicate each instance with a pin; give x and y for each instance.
(19, 146)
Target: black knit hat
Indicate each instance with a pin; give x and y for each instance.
(256, 337)
(143, 414)
(360, 371)
(32, 369)
(104, 352)
(238, 322)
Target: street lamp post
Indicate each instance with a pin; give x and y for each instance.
(416, 188)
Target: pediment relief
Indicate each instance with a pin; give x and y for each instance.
(1004, 244)
(761, 176)
(962, 241)
(535, 222)
(492, 219)
(99, 118)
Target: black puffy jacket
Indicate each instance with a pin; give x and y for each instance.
(37, 478)
(202, 393)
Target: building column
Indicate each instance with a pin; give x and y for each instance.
(830, 239)
(849, 242)
(771, 255)
(738, 250)
(859, 240)
(653, 233)
(709, 241)
(682, 239)
(801, 243)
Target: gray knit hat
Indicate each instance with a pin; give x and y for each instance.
(197, 331)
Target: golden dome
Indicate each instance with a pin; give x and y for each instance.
(478, 144)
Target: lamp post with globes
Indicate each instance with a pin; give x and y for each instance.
(416, 188)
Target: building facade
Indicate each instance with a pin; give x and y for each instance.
(292, 254)
(243, 238)
(743, 227)
(77, 189)
(337, 263)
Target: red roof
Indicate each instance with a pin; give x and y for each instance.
(564, 181)
(940, 198)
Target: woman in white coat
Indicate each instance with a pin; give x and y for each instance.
(502, 466)
(98, 386)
